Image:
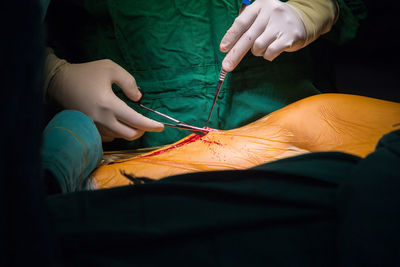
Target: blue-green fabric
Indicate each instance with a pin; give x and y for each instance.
(71, 149)
(172, 49)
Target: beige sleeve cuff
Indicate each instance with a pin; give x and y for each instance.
(51, 66)
(318, 16)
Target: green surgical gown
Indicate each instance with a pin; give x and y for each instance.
(171, 47)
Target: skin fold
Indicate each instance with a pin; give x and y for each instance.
(328, 122)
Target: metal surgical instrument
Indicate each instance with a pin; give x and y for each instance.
(222, 73)
(178, 124)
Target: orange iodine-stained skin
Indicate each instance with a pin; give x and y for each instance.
(327, 122)
(217, 150)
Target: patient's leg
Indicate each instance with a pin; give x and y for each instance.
(328, 122)
(338, 122)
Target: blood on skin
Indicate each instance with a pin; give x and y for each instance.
(211, 142)
(194, 137)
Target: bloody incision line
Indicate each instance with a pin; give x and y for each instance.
(189, 140)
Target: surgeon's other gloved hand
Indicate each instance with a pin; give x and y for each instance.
(71, 149)
(87, 87)
(270, 27)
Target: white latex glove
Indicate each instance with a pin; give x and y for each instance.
(270, 27)
(87, 87)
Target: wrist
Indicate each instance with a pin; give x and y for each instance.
(318, 16)
(52, 67)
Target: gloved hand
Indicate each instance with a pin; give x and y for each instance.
(87, 88)
(270, 27)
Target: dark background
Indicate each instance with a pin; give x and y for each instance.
(368, 65)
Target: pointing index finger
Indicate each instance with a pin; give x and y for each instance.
(241, 24)
(245, 42)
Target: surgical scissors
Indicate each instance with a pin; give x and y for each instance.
(178, 124)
